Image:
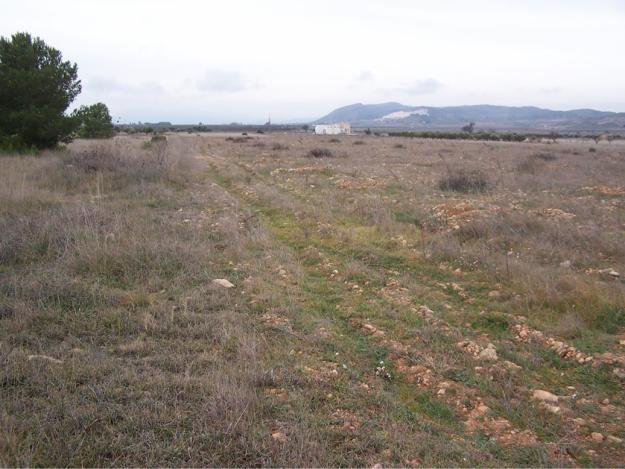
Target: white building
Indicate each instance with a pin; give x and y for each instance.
(333, 129)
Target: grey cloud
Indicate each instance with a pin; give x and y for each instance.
(365, 75)
(223, 80)
(108, 86)
(421, 87)
(550, 90)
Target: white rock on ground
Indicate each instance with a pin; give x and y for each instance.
(596, 437)
(489, 353)
(222, 282)
(619, 372)
(46, 358)
(541, 395)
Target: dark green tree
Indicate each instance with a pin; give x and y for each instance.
(36, 87)
(94, 121)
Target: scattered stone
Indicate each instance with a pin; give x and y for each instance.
(579, 421)
(565, 264)
(279, 437)
(609, 273)
(494, 294)
(614, 439)
(554, 409)
(541, 395)
(489, 353)
(510, 365)
(222, 282)
(469, 347)
(596, 437)
(605, 402)
(280, 393)
(46, 358)
(619, 372)
(482, 409)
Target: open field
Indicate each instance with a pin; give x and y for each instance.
(396, 302)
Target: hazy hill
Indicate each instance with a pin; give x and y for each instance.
(399, 115)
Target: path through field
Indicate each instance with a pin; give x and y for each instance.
(400, 359)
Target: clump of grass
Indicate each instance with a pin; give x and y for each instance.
(259, 144)
(465, 182)
(592, 150)
(320, 153)
(399, 146)
(243, 139)
(279, 147)
(358, 142)
(544, 156)
(334, 140)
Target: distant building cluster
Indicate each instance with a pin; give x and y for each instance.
(333, 129)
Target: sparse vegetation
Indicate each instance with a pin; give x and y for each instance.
(320, 153)
(380, 311)
(464, 181)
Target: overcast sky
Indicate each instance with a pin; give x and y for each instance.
(224, 61)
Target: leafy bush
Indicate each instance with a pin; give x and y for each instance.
(464, 181)
(94, 121)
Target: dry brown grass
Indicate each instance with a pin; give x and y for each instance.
(118, 349)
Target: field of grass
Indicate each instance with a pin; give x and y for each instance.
(395, 302)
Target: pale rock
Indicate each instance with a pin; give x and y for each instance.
(222, 282)
(279, 437)
(511, 365)
(565, 264)
(45, 358)
(605, 402)
(579, 421)
(596, 437)
(614, 439)
(619, 372)
(554, 409)
(494, 294)
(541, 395)
(482, 409)
(489, 353)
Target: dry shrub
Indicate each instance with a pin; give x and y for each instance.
(465, 181)
(119, 161)
(544, 156)
(238, 139)
(279, 147)
(535, 162)
(358, 142)
(320, 153)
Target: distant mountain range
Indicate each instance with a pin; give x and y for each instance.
(484, 116)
